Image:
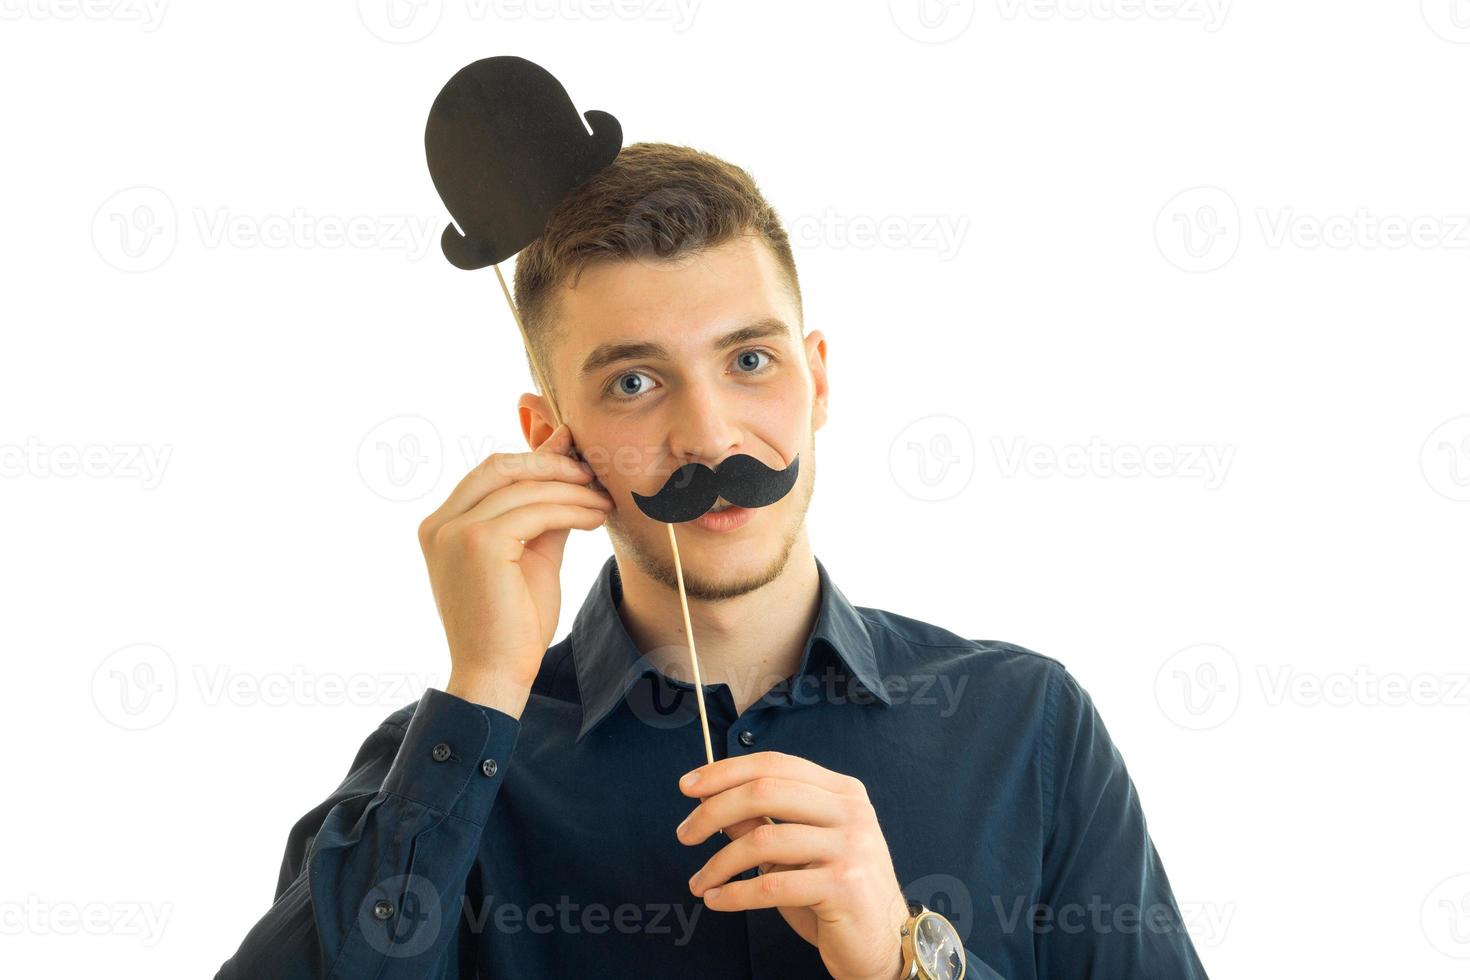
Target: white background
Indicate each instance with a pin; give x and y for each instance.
(1228, 238)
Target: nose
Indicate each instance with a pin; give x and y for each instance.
(702, 430)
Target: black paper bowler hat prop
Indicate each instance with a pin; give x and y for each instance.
(505, 145)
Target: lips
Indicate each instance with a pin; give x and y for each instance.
(724, 521)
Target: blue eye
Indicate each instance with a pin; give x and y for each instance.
(623, 388)
(756, 353)
(749, 360)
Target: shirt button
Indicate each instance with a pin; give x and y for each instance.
(747, 739)
(488, 767)
(383, 909)
(441, 751)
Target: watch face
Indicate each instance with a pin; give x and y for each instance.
(937, 948)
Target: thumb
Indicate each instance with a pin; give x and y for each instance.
(551, 544)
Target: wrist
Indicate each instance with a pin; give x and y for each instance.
(491, 690)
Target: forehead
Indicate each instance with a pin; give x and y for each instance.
(683, 304)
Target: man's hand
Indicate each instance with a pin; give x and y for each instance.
(825, 867)
(494, 551)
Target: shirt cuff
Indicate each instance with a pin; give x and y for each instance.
(454, 756)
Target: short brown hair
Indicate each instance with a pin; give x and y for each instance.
(655, 200)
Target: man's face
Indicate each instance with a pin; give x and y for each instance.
(638, 416)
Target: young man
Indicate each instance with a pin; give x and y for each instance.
(531, 821)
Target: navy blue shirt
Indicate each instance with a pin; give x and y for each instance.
(466, 843)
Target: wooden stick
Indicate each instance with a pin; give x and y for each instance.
(709, 754)
(530, 352)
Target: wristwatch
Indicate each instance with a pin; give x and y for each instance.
(932, 949)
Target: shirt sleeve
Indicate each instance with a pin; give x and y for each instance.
(374, 879)
(978, 969)
(1106, 909)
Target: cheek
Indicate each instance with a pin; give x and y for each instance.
(623, 472)
(629, 467)
(617, 465)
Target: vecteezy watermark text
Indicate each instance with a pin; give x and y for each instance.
(1206, 463)
(126, 461)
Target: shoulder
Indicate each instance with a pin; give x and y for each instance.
(997, 681)
(906, 643)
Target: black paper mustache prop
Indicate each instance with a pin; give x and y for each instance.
(692, 489)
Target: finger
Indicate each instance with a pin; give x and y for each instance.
(734, 770)
(511, 530)
(800, 888)
(523, 493)
(744, 827)
(502, 469)
(781, 799)
(561, 443)
(776, 843)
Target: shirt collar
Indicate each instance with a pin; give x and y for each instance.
(608, 662)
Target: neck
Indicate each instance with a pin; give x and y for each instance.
(749, 642)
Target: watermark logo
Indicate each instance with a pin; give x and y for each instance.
(400, 21)
(136, 687)
(652, 701)
(1450, 19)
(947, 895)
(932, 21)
(401, 916)
(1445, 917)
(1445, 459)
(933, 458)
(1198, 687)
(136, 229)
(1199, 229)
(401, 458)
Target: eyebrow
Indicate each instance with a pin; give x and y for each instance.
(605, 355)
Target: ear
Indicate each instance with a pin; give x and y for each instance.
(816, 359)
(536, 421)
